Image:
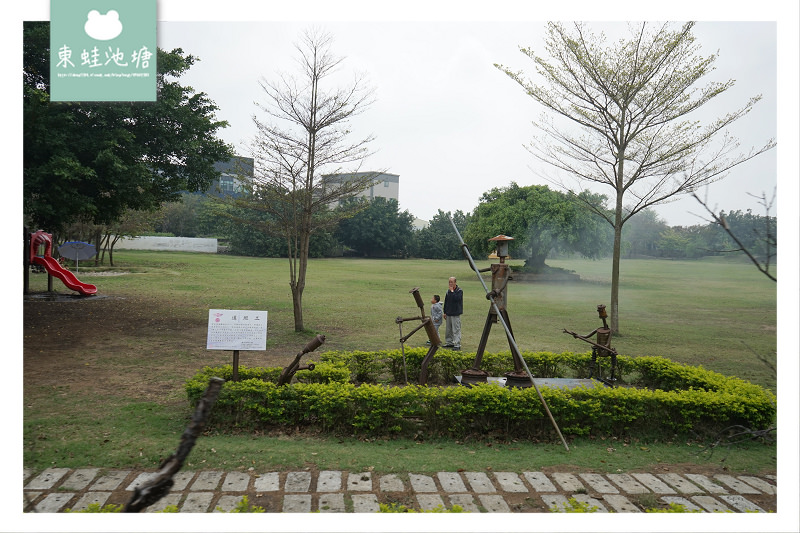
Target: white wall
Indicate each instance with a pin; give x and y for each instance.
(172, 244)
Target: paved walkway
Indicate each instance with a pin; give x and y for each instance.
(55, 489)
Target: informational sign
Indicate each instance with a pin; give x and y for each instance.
(236, 330)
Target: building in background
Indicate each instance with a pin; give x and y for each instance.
(386, 185)
(230, 179)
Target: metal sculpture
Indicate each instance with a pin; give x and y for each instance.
(501, 274)
(600, 348)
(157, 487)
(430, 329)
(491, 296)
(288, 372)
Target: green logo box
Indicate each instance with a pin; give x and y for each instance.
(103, 50)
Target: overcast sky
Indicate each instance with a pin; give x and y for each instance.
(445, 119)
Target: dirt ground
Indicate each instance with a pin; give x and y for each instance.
(81, 341)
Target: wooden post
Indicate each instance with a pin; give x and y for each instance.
(236, 365)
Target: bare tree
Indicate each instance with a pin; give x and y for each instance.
(632, 103)
(304, 159)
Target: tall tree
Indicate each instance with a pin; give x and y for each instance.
(92, 161)
(305, 162)
(540, 220)
(437, 240)
(631, 103)
(379, 229)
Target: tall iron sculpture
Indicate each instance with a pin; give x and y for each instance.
(492, 297)
(501, 274)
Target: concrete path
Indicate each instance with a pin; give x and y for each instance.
(56, 489)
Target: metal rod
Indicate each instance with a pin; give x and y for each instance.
(511, 339)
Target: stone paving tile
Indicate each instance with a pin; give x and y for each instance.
(359, 481)
(654, 484)
(197, 502)
(466, 501)
(26, 473)
(599, 483)
(226, 503)
(297, 482)
(679, 500)
(568, 482)
(111, 480)
(479, 482)
(494, 503)
(421, 483)
(329, 481)
(268, 482)
(140, 480)
(740, 503)
(738, 486)
(760, 484)
(391, 483)
(451, 482)
(620, 503)
(706, 484)
(331, 503)
(710, 504)
(207, 481)
(429, 501)
(80, 478)
(555, 502)
(160, 505)
(628, 484)
(47, 479)
(683, 485)
(365, 503)
(592, 502)
(539, 481)
(297, 503)
(90, 498)
(54, 502)
(510, 482)
(181, 481)
(236, 482)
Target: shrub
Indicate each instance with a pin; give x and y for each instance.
(677, 400)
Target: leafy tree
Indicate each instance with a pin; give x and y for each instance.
(437, 240)
(305, 162)
(539, 219)
(753, 235)
(642, 233)
(377, 229)
(631, 103)
(92, 161)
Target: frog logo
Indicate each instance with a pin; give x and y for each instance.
(103, 27)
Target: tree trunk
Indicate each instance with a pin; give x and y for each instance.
(615, 266)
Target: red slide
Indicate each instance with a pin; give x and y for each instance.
(69, 279)
(52, 266)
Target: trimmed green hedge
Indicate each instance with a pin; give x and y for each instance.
(658, 398)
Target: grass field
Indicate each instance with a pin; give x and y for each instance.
(121, 403)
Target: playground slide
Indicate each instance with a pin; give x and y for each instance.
(69, 279)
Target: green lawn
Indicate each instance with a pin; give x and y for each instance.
(720, 314)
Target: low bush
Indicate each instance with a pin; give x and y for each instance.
(657, 398)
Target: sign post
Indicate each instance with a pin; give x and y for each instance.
(236, 330)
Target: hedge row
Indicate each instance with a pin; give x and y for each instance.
(668, 398)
